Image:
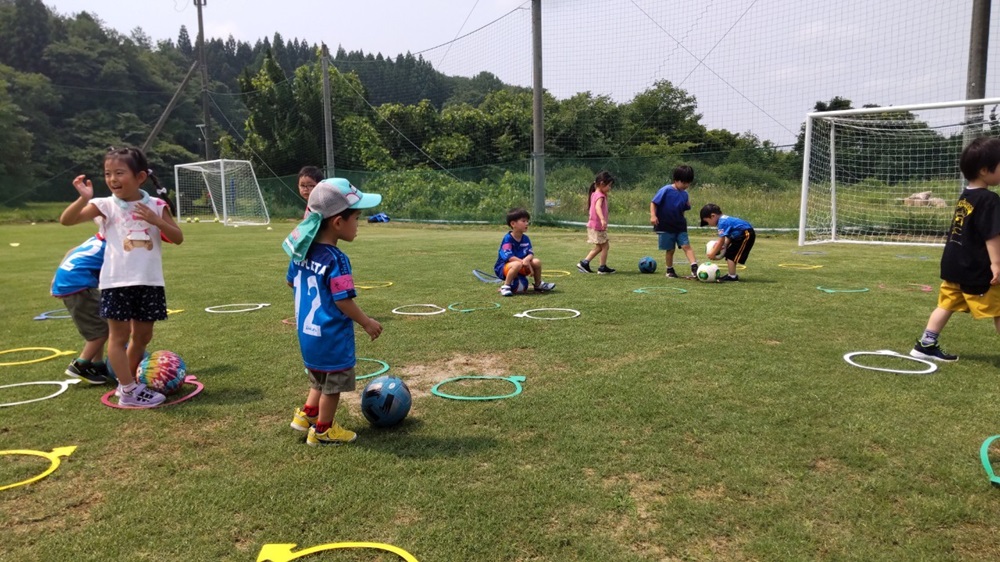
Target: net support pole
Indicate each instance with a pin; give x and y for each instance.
(806, 159)
(327, 114)
(169, 108)
(537, 115)
(979, 40)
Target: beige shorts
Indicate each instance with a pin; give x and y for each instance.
(85, 310)
(332, 383)
(597, 236)
(987, 305)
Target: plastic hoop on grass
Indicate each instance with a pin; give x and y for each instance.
(374, 285)
(49, 315)
(527, 313)
(53, 458)
(514, 380)
(802, 266)
(555, 273)
(809, 253)
(452, 306)
(55, 353)
(190, 379)
(290, 321)
(650, 290)
(485, 277)
(64, 386)
(385, 368)
(250, 307)
(438, 310)
(283, 552)
(984, 456)
(826, 290)
(907, 257)
(931, 367)
(920, 287)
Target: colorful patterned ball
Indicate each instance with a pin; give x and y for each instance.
(163, 371)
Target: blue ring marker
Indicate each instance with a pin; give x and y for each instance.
(825, 290)
(385, 368)
(515, 380)
(46, 315)
(984, 456)
(452, 305)
(648, 290)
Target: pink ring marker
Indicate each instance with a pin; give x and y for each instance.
(190, 379)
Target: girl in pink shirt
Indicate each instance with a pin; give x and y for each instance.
(597, 224)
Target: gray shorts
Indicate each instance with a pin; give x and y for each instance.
(84, 308)
(332, 383)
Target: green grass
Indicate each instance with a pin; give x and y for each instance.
(720, 424)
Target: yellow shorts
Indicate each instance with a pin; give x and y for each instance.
(987, 305)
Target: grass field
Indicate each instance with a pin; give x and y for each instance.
(718, 424)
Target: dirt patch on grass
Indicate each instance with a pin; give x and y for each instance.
(422, 378)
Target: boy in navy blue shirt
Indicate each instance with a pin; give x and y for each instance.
(666, 213)
(736, 237)
(325, 310)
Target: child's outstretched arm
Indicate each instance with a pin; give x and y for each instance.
(80, 210)
(993, 248)
(354, 312)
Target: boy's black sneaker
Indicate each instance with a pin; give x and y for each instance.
(728, 277)
(584, 266)
(86, 373)
(604, 270)
(671, 273)
(932, 352)
(694, 269)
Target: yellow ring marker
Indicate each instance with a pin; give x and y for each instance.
(55, 353)
(799, 266)
(53, 462)
(741, 266)
(376, 285)
(283, 552)
(553, 272)
(169, 311)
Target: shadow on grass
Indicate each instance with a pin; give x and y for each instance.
(991, 359)
(402, 442)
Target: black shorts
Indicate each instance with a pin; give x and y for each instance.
(144, 303)
(739, 248)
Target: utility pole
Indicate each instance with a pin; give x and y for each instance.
(327, 113)
(204, 81)
(537, 116)
(975, 88)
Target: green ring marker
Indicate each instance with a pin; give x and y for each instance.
(825, 290)
(515, 380)
(450, 307)
(648, 290)
(385, 368)
(984, 455)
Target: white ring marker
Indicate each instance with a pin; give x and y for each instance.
(527, 314)
(438, 310)
(63, 384)
(931, 367)
(249, 307)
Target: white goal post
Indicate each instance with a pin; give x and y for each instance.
(887, 175)
(224, 190)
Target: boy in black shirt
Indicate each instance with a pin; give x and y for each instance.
(970, 264)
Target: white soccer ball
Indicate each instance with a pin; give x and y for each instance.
(708, 248)
(708, 273)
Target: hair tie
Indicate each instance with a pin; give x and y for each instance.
(149, 171)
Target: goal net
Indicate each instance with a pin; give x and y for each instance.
(224, 190)
(887, 175)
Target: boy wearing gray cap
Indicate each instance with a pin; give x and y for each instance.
(325, 309)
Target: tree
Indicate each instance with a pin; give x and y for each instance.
(25, 36)
(184, 43)
(664, 112)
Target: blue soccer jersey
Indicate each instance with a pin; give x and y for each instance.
(510, 247)
(80, 269)
(326, 335)
(732, 227)
(670, 206)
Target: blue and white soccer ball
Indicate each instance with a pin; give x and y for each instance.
(520, 284)
(385, 401)
(647, 265)
(708, 272)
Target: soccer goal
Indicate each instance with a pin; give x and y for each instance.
(224, 190)
(887, 175)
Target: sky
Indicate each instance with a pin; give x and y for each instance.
(753, 65)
